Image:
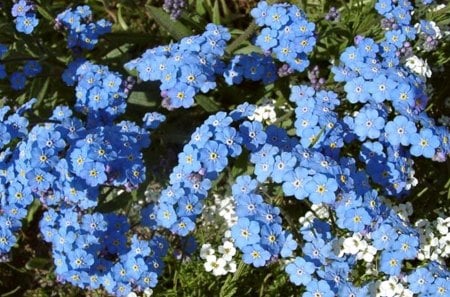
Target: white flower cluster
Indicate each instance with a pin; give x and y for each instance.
(391, 287)
(319, 211)
(265, 112)
(419, 66)
(147, 293)
(222, 207)
(224, 263)
(434, 239)
(356, 245)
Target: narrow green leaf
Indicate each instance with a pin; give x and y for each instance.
(216, 13)
(175, 28)
(37, 263)
(117, 52)
(32, 210)
(226, 11)
(120, 19)
(207, 103)
(45, 13)
(43, 91)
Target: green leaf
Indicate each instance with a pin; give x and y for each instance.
(175, 28)
(118, 202)
(226, 11)
(248, 50)
(37, 263)
(216, 13)
(141, 98)
(32, 210)
(44, 12)
(39, 89)
(207, 103)
(120, 19)
(200, 7)
(117, 52)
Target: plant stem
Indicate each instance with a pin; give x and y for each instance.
(246, 35)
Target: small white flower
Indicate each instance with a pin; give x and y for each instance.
(368, 254)
(418, 66)
(352, 245)
(206, 250)
(214, 265)
(231, 267)
(227, 250)
(132, 294)
(265, 112)
(388, 288)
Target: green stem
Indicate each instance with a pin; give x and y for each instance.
(246, 35)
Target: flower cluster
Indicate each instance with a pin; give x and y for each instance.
(100, 91)
(429, 34)
(391, 123)
(397, 14)
(83, 33)
(202, 159)
(25, 16)
(286, 33)
(184, 68)
(434, 239)
(333, 15)
(258, 232)
(93, 250)
(219, 265)
(18, 78)
(174, 7)
(15, 195)
(253, 67)
(64, 163)
(265, 112)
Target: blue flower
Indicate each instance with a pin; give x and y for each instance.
(318, 288)
(391, 262)
(321, 189)
(214, 156)
(400, 130)
(424, 143)
(253, 135)
(245, 232)
(254, 254)
(17, 80)
(368, 123)
(7, 240)
(294, 183)
(26, 23)
(356, 219)
(420, 280)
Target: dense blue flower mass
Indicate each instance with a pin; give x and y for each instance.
(185, 68)
(345, 154)
(286, 33)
